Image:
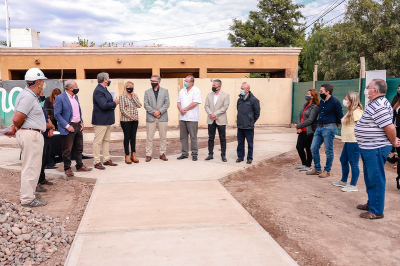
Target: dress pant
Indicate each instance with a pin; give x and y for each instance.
(303, 147)
(102, 136)
(31, 143)
(186, 129)
(46, 154)
(212, 128)
(73, 139)
(242, 135)
(129, 128)
(151, 128)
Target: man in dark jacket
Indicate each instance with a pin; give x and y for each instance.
(248, 107)
(102, 119)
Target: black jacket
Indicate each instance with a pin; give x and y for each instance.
(103, 107)
(248, 111)
(396, 115)
(310, 118)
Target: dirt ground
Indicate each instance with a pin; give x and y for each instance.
(315, 222)
(66, 199)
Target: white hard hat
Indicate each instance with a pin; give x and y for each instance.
(34, 74)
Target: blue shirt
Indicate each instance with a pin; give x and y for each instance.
(46, 133)
(330, 111)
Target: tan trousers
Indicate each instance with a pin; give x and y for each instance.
(101, 136)
(151, 128)
(31, 143)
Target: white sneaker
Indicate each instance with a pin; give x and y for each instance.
(349, 188)
(306, 169)
(300, 167)
(340, 184)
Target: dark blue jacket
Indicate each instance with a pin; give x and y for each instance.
(63, 112)
(248, 111)
(103, 107)
(330, 111)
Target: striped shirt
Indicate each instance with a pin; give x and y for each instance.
(128, 107)
(369, 130)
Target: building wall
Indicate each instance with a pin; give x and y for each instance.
(275, 97)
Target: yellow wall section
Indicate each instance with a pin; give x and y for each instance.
(275, 97)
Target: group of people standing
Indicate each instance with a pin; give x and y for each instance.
(370, 134)
(32, 126)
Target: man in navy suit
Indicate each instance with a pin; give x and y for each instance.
(102, 119)
(67, 112)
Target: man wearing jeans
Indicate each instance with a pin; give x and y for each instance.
(330, 115)
(375, 134)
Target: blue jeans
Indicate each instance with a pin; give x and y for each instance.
(350, 155)
(374, 175)
(243, 134)
(324, 135)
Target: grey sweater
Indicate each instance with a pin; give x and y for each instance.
(310, 118)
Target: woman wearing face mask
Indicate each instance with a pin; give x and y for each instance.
(306, 125)
(396, 122)
(129, 102)
(351, 150)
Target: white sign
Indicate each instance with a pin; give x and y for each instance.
(369, 76)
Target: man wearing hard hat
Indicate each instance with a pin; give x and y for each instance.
(28, 125)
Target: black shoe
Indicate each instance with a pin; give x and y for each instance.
(194, 158)
(239, 160)
(249, 161)
(398, 183)
(51, 167)
(209, 157)
(182, 157)
(224, 159)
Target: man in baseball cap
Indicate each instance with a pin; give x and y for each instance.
(28, 125)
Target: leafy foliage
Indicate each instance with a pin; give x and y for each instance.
(370, 29)
(85, 43)
(276, 24)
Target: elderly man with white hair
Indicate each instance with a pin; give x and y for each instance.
(375, 134)
(67, 112)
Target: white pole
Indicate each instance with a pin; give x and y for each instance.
(7, 25)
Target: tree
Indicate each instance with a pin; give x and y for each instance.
(85, 43)
(3, 43)
(370, 29)
(276, 24)
(311, 52)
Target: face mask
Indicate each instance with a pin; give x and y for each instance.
(75, 91)
(242, 92)
(108, 83)
(130, 90)
(398, 91)
(153, 85)
(214, 89)
(323, 96)
(185, 84)
(308, 98)
(345, 103)
(42, 98)
(366, 92)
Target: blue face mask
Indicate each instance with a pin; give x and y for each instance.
(242, 92)
(308, 98)
(185, 84)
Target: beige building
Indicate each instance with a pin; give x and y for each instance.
(137, 64)
(142, 62)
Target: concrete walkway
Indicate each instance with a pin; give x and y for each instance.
(175, 212)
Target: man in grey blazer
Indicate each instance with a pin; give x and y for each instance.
(217, 103)
(156, 103)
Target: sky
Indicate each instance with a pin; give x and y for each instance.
(201, 23)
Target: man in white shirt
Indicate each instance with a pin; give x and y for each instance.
(188, 105)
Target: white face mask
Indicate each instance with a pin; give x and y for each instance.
(345, 103)
(366, 92)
